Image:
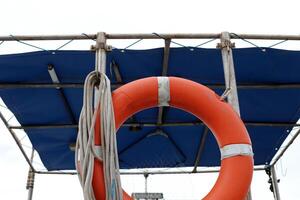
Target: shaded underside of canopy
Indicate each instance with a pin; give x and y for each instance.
(267, 89)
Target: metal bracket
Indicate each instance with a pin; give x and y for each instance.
(101, 46)
(101, 43)
(226, 44)
(225, 94)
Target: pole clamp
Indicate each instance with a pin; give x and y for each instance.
(226, 44)
(101, 45)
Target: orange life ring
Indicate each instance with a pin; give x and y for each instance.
(236, 170)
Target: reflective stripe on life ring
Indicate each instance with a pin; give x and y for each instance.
(235, 146)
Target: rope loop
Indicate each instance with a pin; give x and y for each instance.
(97, 97)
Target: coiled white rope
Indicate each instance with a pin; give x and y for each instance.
(86, 151)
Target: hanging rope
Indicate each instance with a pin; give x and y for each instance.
(86, 151)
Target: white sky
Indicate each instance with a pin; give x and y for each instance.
(133, 16)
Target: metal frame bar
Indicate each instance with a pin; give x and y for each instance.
(150, 36)
(117, 72)
(200, 148)
(229, 73)
(57, 172)
(200, 171)
(275, 183)
(158, 172)
(55, 80)
(164, 73)
(100, 59)
(230, 80)
(50, 126)
(15, 137)
(100, 56)
(114, 86)
(30, 178)
(101, 48)
(278, 156)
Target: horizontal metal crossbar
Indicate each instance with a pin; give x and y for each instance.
(80, 85)
(156, 172)
(149, 36)
(54, 126)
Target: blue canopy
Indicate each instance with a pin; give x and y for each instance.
(265, 109)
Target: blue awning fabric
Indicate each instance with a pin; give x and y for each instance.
(139, 147)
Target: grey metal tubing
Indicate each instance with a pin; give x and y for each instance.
(55, 80)
(166, 57)
(101, 52)
(56, 173)
(54, 126)
(39, 85)
(229, 72)
(165, 65)
(15, 137)
(117, 72)
(30, 193)
(150, 36)
(114, 86)
(50, 126)
(30, 179)
(278, 156)
(200, 148)
(202, 36)
(48, 37)
(275, 183)
(163, 36)
(230, 80)
(201, 171)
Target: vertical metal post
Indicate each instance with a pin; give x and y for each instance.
(30, 178)
(230, 81)
(100, 59)
(228, 66)
(146, 182)
(275, 183)
(101, 49)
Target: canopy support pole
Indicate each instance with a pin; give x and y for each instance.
(158, 172)
(148, 36)
(200, 148)
(275, 183)
(230, 81)
(15, 137)
(30, 178)
(101, 48)
(55, 80)
(100, 57)
(164, 73)
(278, 156)
(146, 175)
(139, 124)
